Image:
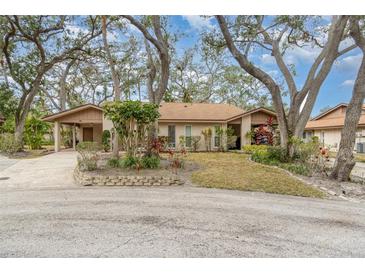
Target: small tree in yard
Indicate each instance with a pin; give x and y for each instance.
(35, 129)
(132, 120)
(207, 133)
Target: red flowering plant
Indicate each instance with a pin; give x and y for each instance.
(176, 159)
(264, 133)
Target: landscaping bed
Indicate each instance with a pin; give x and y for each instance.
(117, 177)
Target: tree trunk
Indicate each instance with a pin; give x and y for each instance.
(344, 162)
(116, 82)
(63, 92)
(345, 159)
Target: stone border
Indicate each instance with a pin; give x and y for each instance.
(85, 179)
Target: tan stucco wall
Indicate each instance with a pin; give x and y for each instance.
(332, 137)
(245, 127)
(107, 124)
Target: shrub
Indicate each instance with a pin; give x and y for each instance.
(105, 139)
(131, 162)
(182, 141)
(88, 157)
(297, 168)
(8, 144)
(195, 140)
(66, 136)
(250, 149)
(151, 162)
(34, 131)
(277, 153)
(207, 133)
(114, 162)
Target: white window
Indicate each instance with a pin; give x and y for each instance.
(216, 140)
(188, 130)
(171, 136)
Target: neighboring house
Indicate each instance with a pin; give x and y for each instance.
(328, 125)
(176, 119)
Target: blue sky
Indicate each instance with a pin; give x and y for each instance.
(337, 87)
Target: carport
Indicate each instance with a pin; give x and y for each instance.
(86, 122)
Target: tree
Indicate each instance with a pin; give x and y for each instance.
(156, 86)
(345, 162)
(283, 32)
(32, 46)
(116, 82)
(132, 120)
(206, 75)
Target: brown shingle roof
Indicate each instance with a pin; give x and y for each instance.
(336, 122)
(198, 111)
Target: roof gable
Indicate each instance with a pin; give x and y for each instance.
(71, 112)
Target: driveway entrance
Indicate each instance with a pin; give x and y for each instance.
(53, 170)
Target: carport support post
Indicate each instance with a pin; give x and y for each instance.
(74, 137)
(57, 136)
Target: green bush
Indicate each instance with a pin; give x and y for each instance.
(114, 162)
(34, 132)
(8, 144)
(250, 149)
(131, 162)
(277, 153)
(88, 157)
(106, 140)
(151, 162)
(297, 168)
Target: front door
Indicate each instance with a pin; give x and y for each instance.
(88, 134)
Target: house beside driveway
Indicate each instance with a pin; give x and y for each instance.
(328, 126)
(176, 119)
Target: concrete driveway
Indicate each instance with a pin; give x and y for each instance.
(44, 214)
(6, 162)
(53, 170)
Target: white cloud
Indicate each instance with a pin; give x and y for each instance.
(199, 22)
(305, 54)
(267, 59)
(349, 63)
(348, 83)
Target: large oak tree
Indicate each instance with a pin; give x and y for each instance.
(244, 32)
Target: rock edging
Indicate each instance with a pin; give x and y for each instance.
(85, 179)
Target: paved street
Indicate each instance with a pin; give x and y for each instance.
(176, 222)
(44, 214)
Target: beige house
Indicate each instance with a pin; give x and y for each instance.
(176, 119)
(328, 125)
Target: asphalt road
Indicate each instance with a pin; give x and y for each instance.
(175, 222)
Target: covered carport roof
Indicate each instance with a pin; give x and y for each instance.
(72, 112)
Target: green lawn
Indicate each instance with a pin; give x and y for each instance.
(359, 157)
(235, 171)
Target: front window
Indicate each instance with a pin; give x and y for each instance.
(217, 139)
(171, 136)
(188, 136)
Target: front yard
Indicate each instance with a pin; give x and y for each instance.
(236, 171)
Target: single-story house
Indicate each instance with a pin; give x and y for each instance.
(176, 119)
(328, 126)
